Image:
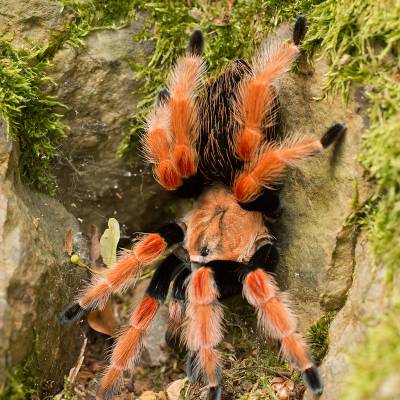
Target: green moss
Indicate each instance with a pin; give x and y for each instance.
(102, 14)
(375, 365)
(318, 335)
(29, 114)
(23, 383)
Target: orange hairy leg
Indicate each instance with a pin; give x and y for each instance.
(183, 113)
(169, 141)
(276, 318)
(268, 166)
(177, 310)
(144, 252)
(204, 324)
(128, 346)
(157, 146)
(257, 97)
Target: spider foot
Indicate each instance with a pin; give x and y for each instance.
(313, 381)
(196, 43)
(173, 341)
(332, 134)
(72, 313)
(300, 30)
(191, 371)
(215, 393)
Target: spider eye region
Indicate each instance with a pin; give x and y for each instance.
(204, 251)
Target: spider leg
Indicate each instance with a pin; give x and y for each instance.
(300, 30)
(276, 318)
(117, 278)
(177, 309)
(196, 43)
(129, 345)
(176, 320)
(266, 169)
(204, 328)
(268, 202)
(256, 104)
(169, 141)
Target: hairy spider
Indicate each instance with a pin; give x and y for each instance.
(218, 141)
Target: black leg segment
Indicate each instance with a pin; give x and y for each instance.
(266, 257)
(162, 96)
(312, 380)
(163, 276)
(332, 134)
(269, 203)
(171, 233)
(73, 313)
(191, 371)
(196, 43)
(172, 335)
(300, 30)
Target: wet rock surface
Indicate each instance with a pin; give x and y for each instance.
(37, 279)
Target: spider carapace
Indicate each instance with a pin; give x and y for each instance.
(220, 142)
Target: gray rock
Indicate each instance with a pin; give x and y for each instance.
(364, 308)
(96, 82)
(32, 21)
(318, 196)
(37, 280)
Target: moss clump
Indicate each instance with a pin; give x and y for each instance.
(102, 14)
(374, 372)
(23, 384)
(232, 30)
(318, 335)
(29, 114)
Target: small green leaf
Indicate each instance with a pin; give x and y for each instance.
(109, 242)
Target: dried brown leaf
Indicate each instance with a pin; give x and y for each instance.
(283, 388)
(103, 321)
(175, 388)
(94, 244)
(68, 242)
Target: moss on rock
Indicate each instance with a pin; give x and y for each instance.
(31, 115)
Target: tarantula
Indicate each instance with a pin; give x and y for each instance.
(218, 141)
